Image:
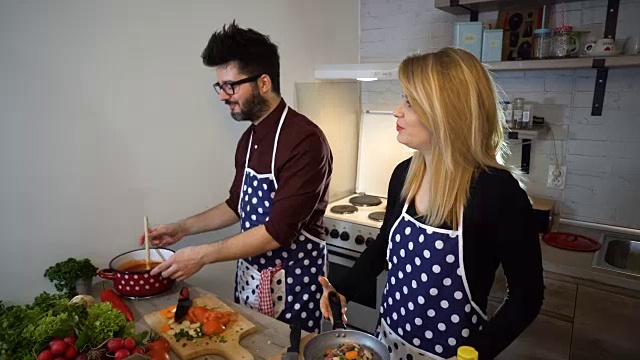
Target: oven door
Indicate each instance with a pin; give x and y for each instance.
(363, 309)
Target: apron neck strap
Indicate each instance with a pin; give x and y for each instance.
(275, 146)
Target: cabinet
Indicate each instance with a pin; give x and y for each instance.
(579, 320)
(606, 326)
(549, 336)
(545, 339)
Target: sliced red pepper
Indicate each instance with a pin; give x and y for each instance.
(110, 296)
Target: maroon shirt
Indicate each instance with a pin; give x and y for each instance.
(303, 166)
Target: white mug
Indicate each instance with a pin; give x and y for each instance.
(632, 45)
(606, 46)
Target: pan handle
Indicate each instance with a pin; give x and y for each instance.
(336, 311)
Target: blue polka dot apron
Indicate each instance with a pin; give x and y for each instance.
(295, 292)
(427, 311)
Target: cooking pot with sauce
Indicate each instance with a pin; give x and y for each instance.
(131, 277)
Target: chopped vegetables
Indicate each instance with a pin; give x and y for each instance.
(349, 351)
(199, 322)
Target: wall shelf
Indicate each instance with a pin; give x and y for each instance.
(463, 7)
(526, 136)
(572, 63)
(602, 65)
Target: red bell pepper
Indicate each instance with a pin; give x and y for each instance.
(108, 295)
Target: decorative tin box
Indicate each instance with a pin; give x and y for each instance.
(468, 36)
(492, 45)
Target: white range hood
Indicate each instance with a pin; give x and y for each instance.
(362, 72)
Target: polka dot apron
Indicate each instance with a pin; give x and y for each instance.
(295, 292)
(427, 311)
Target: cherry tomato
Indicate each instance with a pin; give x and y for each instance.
(158, 354)
(161, 344)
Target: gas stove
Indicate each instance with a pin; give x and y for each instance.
(354, 221)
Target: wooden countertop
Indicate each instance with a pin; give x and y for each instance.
(270, 340)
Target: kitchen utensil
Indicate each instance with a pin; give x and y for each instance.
(226, 344)
(184, 304)
(564, 42)
(317, 347)
(137, 283)
(602, 47)
(570, 241)
(160, 255)
(632, 45)
(146, 241)
(541, 43)
(542, 214)
(294, 339)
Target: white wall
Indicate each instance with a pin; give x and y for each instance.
(602, 154)
(107, 115)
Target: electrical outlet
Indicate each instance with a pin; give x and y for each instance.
(555, 180)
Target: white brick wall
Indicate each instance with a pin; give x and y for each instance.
(602, 154)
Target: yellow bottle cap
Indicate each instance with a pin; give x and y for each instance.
(467, 353)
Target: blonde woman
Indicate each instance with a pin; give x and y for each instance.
(454, 214)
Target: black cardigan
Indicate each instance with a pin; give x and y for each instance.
(498, 229)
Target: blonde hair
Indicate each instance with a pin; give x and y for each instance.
(455, 97)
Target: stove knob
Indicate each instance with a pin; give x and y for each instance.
(334, 233)
(326, 230)
(359, 239)
(344, 236)
(368, 241)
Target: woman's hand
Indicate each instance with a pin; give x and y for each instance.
(324, 300)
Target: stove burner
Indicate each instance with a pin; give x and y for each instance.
(344, 209)
(377, 216)
(365, 200)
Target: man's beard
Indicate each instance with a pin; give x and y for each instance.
(254, 108)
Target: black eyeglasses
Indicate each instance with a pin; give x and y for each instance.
(229, 88)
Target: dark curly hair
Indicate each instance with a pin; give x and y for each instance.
(252, 51)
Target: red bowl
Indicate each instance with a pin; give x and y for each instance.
(138, 283)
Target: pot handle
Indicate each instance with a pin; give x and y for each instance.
(336, 311)
(106, 274)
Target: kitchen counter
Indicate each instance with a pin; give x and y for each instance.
(579, 264)
(270, 339)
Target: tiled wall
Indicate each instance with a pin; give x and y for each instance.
(602, 154)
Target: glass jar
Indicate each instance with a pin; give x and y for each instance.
(541, 43)
(564, 43)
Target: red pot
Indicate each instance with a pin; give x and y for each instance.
(137, 283)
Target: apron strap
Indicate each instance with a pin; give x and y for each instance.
(275, 146)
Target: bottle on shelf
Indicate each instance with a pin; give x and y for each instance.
(467, 353)
(518, 108)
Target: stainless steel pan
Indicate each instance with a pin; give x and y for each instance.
(317, 346)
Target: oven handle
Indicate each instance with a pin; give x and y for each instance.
(341, 259)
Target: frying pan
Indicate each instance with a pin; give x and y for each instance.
(317, 346)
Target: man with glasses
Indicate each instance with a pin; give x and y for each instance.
(279, 194)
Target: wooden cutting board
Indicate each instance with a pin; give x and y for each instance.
(229, 348)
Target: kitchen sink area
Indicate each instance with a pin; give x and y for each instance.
(619, 253)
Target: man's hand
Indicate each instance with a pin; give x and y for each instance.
(165, 235)
(181, 265)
